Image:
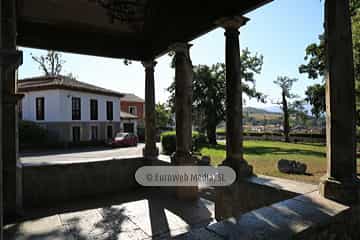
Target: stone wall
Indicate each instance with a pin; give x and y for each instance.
(345, 226)
(49, 185)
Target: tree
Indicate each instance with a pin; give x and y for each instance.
(51, 63)
(209, 91)
(163, 116)
(298, 110)
(316, 64)
(315, 95)
(286, 83)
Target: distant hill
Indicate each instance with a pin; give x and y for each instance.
(274, 108)
(252, 110)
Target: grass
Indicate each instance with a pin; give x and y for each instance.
(263, 156)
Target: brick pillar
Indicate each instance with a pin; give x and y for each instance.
(150, 152)
(183, 107)
(10, 59)
(340, 183)
(228, 197)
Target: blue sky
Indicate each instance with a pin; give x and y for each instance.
(279, 31)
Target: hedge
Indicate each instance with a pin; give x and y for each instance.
(32, 134)
(168, 141)
(279, 134)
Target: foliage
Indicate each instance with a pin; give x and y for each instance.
(32, 134)
(209, 87)
(315, 95)
(298, 110)
(163, 116)
(315, 67)
(168, 141)
(316, 60)
(286, 83)
(354, 7)
(51, 63)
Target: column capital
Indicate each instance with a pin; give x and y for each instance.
(234, 22)
(149, 64)
(10, 57)
(181, 47)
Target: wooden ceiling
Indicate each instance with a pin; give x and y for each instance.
(82, 26)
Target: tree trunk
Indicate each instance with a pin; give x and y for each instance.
(211, 133)
(286, 118)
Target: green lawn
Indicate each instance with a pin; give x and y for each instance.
(263, 156)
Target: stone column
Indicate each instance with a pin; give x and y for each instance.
(340, 183)
(10, 59)
(150, 152)
(183, 107)
(228, 197)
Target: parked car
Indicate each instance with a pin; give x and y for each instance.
(122, 139)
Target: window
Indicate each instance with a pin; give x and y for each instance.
(109, 111)
(94, 133)
(40, 107)
(132, 110)
(93, 109)
(109, 132)
(76, 108)
(76, 134)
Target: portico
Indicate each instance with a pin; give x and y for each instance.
(160, 27)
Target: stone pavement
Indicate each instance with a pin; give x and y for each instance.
(151, 215)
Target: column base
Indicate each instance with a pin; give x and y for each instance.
(151, 153)
(186, 193)
(241, 167)
(345, 192)
(227, 201)
(183, 159)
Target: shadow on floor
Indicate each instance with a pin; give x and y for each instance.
(144, 212)
(259, 150)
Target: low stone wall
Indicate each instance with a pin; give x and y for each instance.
(261, 191)
(344, 226)
(306, 217)
(49, 185)
(257, 192)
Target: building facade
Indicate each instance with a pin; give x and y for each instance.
(72, 111)
(129, 122)
(133, 105)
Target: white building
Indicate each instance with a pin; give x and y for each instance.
(71, 110)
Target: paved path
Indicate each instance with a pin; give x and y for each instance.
(84, 154)
(148, 215)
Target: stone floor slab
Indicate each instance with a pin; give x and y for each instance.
(83, 223)
(48, 228)
(199, 234)
(159, 216)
